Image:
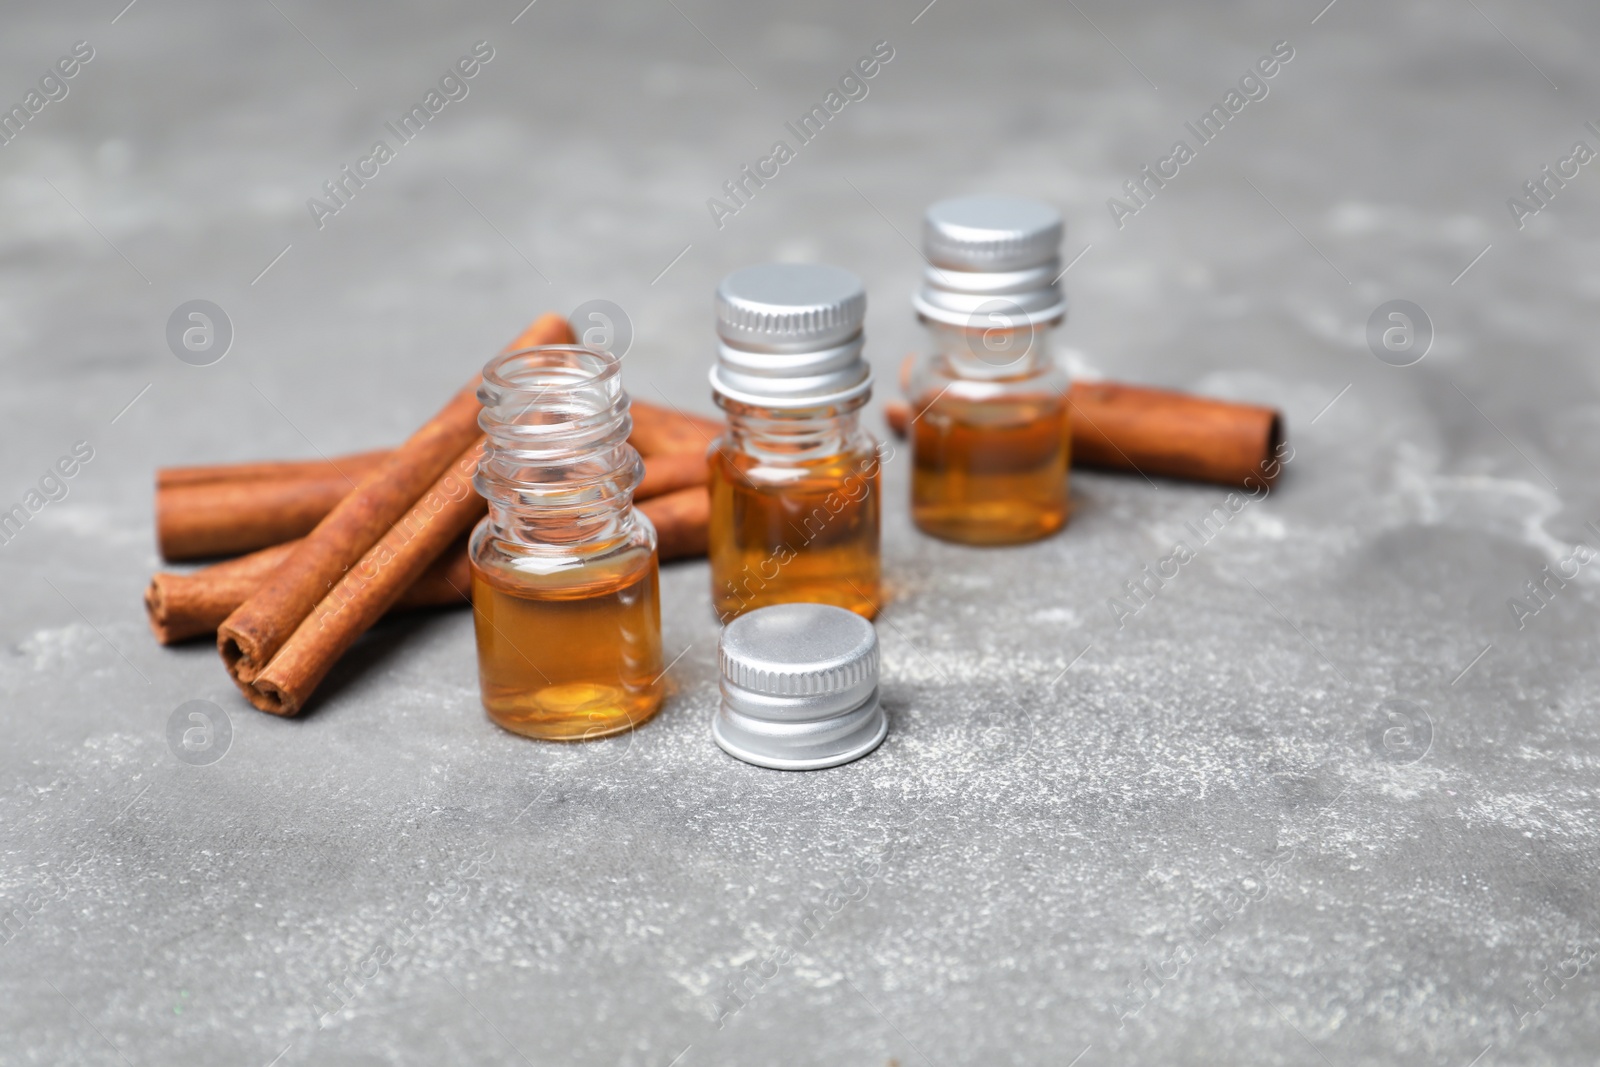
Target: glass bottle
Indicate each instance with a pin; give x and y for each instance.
(794, 480)
(989, 436)
(565, 591)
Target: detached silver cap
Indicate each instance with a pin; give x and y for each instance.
(988, 256)
(799, 687)
(790, 335)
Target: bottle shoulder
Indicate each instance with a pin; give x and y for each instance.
(794, 444)
(730, 446)
(934, 377)
(577, 568)
(981, 361)
(741, 469)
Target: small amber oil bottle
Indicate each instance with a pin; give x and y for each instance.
(989, 431)
(565, 593)
(794, 481)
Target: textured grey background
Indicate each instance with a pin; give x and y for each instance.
(1027, 841)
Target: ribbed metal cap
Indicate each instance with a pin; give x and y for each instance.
(991, 255)
(991, 233)
(791, 333)
(799, 687)
(783, 307)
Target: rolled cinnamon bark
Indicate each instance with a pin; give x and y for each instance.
(897, 413)
(659, 430)
(253, 636)
(183, 606)
(1174, 435)
(197, 520)
(668, 472)
(446, 583)
(202, 519)
(180, 606)
(548, 329)
(354, 467)
(366, 591)
(682, 521)
(202, 511)
(1162, 433)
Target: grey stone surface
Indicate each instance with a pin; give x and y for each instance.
(1062, 800)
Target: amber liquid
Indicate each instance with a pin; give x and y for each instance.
(992, 472)
(567, 663)
(811, 538)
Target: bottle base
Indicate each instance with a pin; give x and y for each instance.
(966, 528)
(864, 601)
(579, 711)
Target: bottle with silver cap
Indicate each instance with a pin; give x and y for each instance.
(794, 481)
(989, 437)
(799, 688)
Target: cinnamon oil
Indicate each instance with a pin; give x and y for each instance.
(569, 662)
(811, 536)
(991, 473)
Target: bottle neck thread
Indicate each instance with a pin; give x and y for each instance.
(557, 468)
(995, 352)
(786, 436)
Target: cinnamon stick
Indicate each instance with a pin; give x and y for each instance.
(682, 520)
(200, 518)
(252, 637)
(897, 413)
(1175, 435)
(668, 472)
(183, 606)
(659, 430)
(354, 467)
(1162, 433)
(196, 520)
(368, 589)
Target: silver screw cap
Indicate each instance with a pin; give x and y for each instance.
(799, 687)
(790, 336)
(991, 255)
